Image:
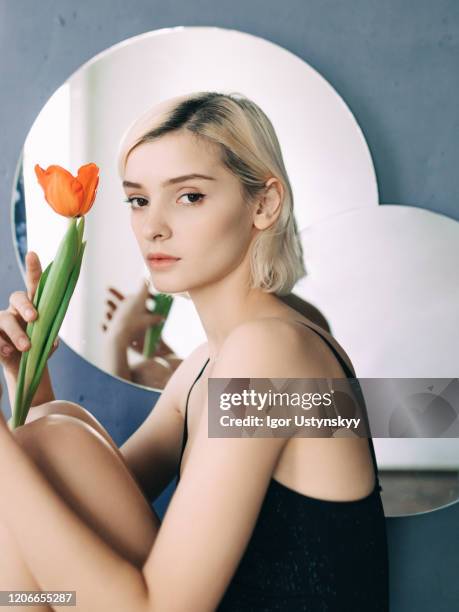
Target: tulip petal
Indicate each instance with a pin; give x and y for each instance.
(67, 195)
(88, 176)
(63, 192)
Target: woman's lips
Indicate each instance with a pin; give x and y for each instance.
(162, 262)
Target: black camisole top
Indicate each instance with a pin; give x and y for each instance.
(307, 554)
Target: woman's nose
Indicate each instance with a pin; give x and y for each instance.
(155, 223)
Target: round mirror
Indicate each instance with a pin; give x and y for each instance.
(352, 245)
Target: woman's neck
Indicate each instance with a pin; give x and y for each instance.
(222, 310)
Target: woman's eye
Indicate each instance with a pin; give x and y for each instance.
(193, 198)
(133, 199)
(198, 197)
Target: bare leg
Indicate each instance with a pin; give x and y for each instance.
(14, 573)
(76, 460)
(70, 409)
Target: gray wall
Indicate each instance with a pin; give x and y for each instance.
(396, 66)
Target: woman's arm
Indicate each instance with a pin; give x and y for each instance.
(114, 356)
(153, 450)
(44, 393)
(207, 524)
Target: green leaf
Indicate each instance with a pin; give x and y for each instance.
(163, 303)
(15, 417)
(41, 285)
(51, 297)
(36, 299)
(80, 230)
(60, 315)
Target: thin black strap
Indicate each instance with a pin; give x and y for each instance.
(357, 389)
(185, 426)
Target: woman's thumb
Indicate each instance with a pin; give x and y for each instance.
(33, 273)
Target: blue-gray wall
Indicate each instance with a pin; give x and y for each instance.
(396, 64)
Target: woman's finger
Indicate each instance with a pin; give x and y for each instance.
(14, 332)
(33, 273)
(116, 293)
(165, 347)
(20, 303)
(6, 348)
(143, 293)
(112, 304)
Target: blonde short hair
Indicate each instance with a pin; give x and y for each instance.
(250, 150)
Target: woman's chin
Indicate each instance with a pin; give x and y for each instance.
(161, 286)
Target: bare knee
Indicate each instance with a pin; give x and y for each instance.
(52, 435)
(70, 409)
(54, 407)
(47, 438)
(84, 470)
(59, 407)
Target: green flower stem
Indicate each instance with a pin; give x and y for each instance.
(51, 298)
(24, 356)
(19, 390)
(54, 291)
(163, 303)
(52, 335)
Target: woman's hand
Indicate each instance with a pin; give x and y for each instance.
(128, 320)
(13, 321)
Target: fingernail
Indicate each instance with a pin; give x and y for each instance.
(29, 313)
(23, 343)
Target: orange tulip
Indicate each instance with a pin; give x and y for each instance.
(67, 195)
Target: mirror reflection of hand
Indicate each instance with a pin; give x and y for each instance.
(155, 371)
(128, 320)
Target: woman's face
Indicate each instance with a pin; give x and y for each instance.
(203, 221)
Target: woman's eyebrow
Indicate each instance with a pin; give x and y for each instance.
(171, 181)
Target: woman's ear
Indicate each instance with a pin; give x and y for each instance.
(268, 208)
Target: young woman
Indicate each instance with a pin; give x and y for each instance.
(254, 524)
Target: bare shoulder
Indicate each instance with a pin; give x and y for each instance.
(274, 347)
(313, 330)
